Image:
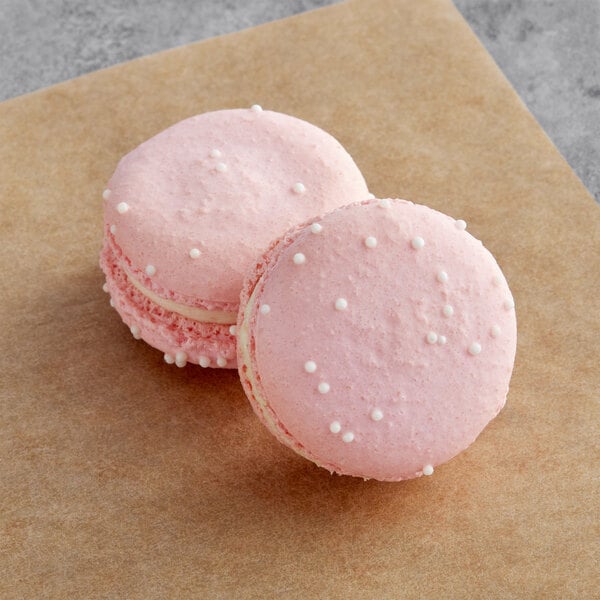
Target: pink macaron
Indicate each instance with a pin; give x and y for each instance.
(377, 341)
(188, 211)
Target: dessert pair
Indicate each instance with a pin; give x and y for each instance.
(374, 337)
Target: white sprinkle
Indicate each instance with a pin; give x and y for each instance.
(335, 427)
(113, 229)
(232, 329)
(181, 359)
(299, 258)
(112, 302)
(428, 470)
(215, 153)
(385, 203)
(460, 224)
(376, 414)
(256, 108)
(474, 348)
(265, 309)
(341, 304)
(324, 387)
(448, 310)
(169, 359)
(495, 331)
(371, 242)
(432, 337)
(299, 188)
(106, 194)
(204, 361)
(371, 196)
(105, 287)
(310, 366)
(442, 340)
(496, 280)
(221, 362)
(221, 167)
(442, 276)
(348, 437)
(417, 243)
(194, 253)
(150, 270)
(316, 228)
(509, 304)
(122, 207)
(135, 332)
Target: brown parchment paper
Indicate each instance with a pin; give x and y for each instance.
(122, 477)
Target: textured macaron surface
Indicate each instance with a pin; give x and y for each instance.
(180, 338)
(379, 341)
(192, 207)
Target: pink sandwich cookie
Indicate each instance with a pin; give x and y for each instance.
(378, 341)
(188, 211)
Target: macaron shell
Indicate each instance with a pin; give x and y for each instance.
(400, 382)
(195, 204)
(181, 339)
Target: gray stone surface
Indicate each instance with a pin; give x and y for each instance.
(548, 49)
(550, 52)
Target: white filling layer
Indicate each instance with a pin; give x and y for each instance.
(202, 315)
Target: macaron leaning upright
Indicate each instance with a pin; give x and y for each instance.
(188, 211)
(377, 341)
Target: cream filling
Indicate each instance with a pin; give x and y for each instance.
(274, 427)
(202, 315)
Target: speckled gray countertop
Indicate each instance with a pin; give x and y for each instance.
(548, 49)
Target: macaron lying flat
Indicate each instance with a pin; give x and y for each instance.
(188, 211)
(378, 341)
